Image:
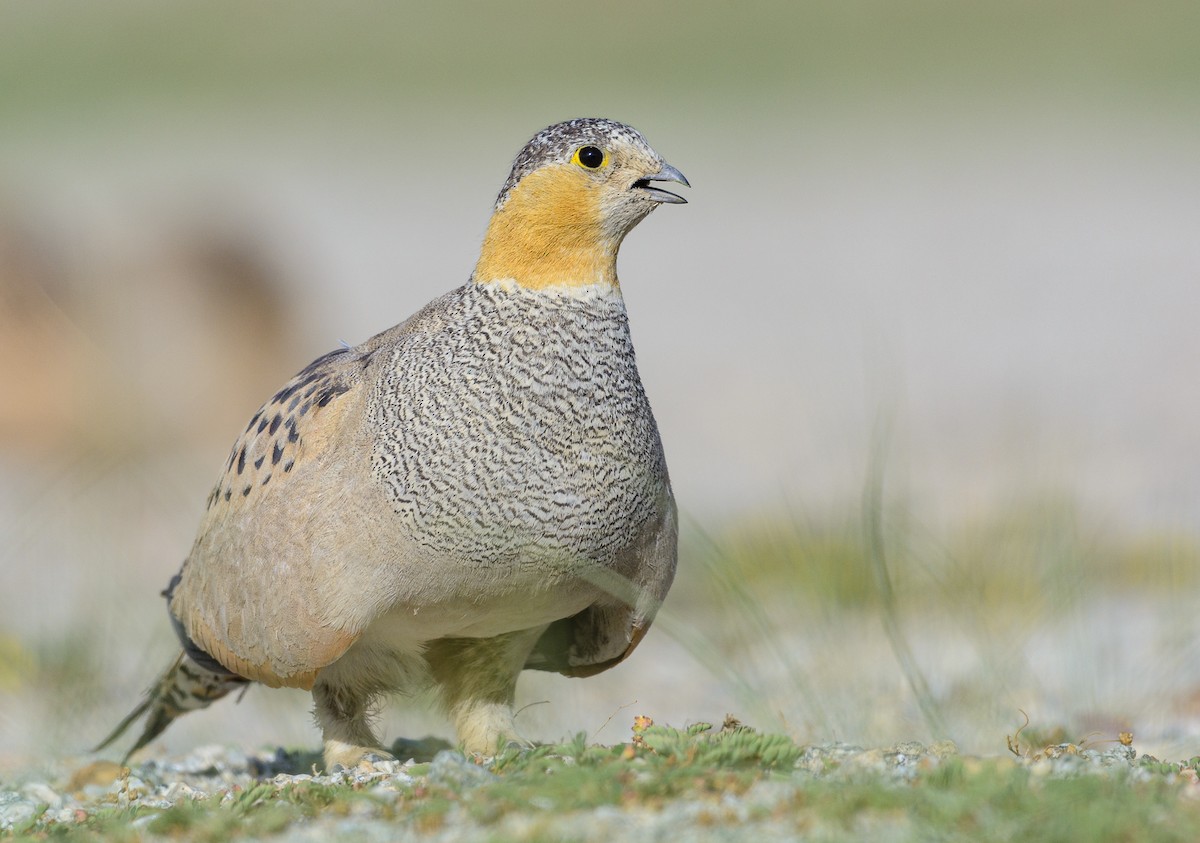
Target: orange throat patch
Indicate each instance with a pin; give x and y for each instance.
(549, 233)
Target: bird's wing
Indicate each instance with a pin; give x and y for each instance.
(259, 591)
(604, 634)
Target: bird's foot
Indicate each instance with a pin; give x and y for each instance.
(340, 755)
(485, 728)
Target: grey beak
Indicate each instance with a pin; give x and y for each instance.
(666, 173)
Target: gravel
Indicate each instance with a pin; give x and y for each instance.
(75, 791)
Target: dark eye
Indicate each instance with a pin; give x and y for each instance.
(591, 157)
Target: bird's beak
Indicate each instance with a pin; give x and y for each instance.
(666, 173)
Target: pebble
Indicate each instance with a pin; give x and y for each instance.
(179, 791)
(16, 810)
(453, 769)
(212, 772)
(43, 793)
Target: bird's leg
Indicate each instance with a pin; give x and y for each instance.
(478, 681)
(343, 713)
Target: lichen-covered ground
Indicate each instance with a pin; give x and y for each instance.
(706, 782)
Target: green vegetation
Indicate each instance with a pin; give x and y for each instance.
(1035, 554)
(709, 779)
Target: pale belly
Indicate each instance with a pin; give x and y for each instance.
(407, 627)
(495, 618)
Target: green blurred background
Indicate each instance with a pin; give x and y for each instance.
(960, 237)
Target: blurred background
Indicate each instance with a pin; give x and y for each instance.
(923, 348)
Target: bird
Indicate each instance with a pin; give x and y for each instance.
(479, 490)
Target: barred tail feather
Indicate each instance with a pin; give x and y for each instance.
(184, 686)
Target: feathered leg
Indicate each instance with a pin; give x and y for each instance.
(478, 681)
(344, 715)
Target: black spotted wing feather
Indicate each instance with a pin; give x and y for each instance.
(263, 521)
(272, 441)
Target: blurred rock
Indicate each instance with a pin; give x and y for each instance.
(15, 810)
(98, 773)
(197, 326)
(453, 769)
(43, 794)
(112, 343)
(43, 356)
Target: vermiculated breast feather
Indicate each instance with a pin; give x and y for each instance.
(513, 428)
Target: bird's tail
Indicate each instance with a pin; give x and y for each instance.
(184, 686)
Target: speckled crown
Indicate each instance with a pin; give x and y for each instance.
(557, 142)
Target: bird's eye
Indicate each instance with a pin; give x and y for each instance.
(590, 157)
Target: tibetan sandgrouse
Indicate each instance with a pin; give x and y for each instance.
(476, 491)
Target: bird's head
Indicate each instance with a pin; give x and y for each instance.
(575, 190)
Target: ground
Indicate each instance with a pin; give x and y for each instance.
(706, 782)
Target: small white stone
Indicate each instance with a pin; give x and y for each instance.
(178, 791)
(43, 793)
(15, 810)
(68, 816)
